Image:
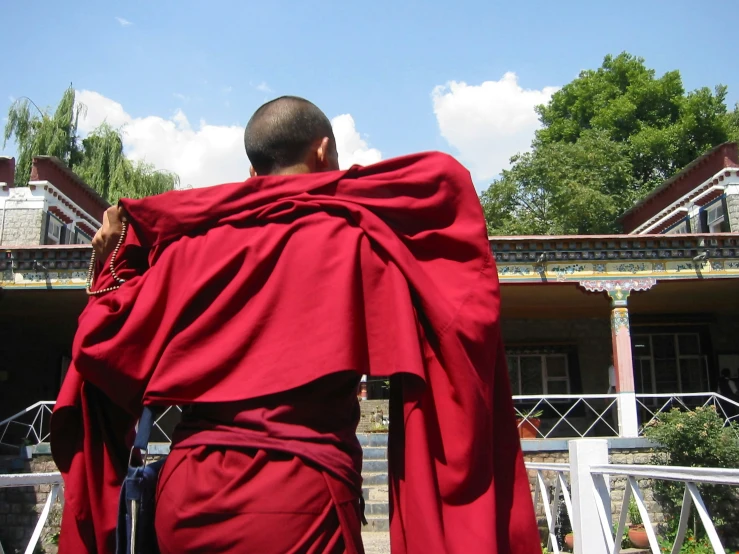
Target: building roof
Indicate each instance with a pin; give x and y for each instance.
(52, 169)
(704, 167)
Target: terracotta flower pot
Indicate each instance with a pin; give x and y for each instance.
(638, 536)
(527, 429)
(570, 541)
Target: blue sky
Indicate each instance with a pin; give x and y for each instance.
(183, 77)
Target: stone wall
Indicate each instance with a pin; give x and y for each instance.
(732, 206)
(371, 414)
(23, 227)
(592, 336)
(695, 224)
(20, 508)
(618, 485)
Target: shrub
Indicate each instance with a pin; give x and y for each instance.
(699, 438)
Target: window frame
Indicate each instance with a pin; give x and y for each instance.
(518, 354)
(701, 357)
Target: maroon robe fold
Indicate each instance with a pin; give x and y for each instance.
(250, 289)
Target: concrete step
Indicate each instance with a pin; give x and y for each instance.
(375, 452)
(376, 524)
(376, 494)
(372, 439)
(374, 466)
(370, 479)
(377, 509)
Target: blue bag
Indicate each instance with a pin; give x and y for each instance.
(135, 533)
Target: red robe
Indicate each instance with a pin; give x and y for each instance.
(260, 287)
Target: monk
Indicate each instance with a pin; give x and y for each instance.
(258, 306)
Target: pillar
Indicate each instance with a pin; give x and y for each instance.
(618, 291)
(628, 424)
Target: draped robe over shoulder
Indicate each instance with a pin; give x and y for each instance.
(250, 289)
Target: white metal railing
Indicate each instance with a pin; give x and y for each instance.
(34, 479)
(691, 476)
(567, 415)
(588, 500)
(653, 405)
(552, 506)
(31, 424)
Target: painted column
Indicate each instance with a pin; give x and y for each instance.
(618, 291)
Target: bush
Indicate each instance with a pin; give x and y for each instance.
(697, 439)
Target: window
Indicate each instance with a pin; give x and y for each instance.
(538, 373)
(54, 230)
(679, 229)
(669, 363)
(81, 238)
(715, 218)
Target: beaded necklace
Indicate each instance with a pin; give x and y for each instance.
(91, 269)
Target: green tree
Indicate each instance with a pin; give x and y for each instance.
(608, 138)
(98, 159)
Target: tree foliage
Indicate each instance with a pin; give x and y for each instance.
(608, 138)
(98, 158)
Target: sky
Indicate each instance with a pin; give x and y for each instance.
(181, 78)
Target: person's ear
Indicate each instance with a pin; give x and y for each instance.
(252, 171)
(323, 161)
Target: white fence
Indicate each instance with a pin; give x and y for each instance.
(652, 406)
(31, 425)
(30, 480)
(563, 416)
(582, 486)
(588, 500)
(568, 416)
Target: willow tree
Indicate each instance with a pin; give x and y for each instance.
(38, 132)
(98, 158)
(104, 167)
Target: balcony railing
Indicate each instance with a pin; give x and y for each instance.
(568, 416)
(653, 405)
(564, 416)
(30, 425)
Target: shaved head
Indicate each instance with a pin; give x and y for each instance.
(283, 132)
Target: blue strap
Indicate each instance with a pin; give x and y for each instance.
(146, 423)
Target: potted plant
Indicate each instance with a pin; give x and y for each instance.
(570, 541)
(637, 534)
(528, 423)
(26, 449)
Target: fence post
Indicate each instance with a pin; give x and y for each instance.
(586, 524)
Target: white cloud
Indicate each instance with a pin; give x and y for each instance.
(200, 154)
(262, 87)
(123, 22)
(488, 123)
(353, 149)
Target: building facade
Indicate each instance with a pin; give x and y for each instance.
(57, 207)
(599, 330)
